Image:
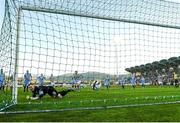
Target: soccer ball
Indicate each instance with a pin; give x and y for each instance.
(27, 97)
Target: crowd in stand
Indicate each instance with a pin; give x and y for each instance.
(164, 78)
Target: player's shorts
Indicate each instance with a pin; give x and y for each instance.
(176, 80)
(26, 83)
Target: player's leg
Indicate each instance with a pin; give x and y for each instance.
(25, 87)
(143, 85)
(176, 83)
(108, 86)
(64, 92)
(133, 85)
(93, 86)
(123, 86)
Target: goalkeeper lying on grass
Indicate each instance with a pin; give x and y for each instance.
(39, 91)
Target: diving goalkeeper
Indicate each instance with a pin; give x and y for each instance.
(39, 91)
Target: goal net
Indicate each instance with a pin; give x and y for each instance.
(96, 38)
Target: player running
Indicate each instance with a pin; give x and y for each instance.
(2, 80)
(133, 80)
(41, 80)
(27, 80)
(122, 81)
(142, 81)
(107, 82)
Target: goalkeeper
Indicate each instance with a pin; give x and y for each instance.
(39, 91)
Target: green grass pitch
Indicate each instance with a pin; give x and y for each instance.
(116, 104)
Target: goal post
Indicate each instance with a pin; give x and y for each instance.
(15, 80)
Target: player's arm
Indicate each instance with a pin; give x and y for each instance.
(24, 76)
(30, 77)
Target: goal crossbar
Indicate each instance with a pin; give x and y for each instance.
(56, 11)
